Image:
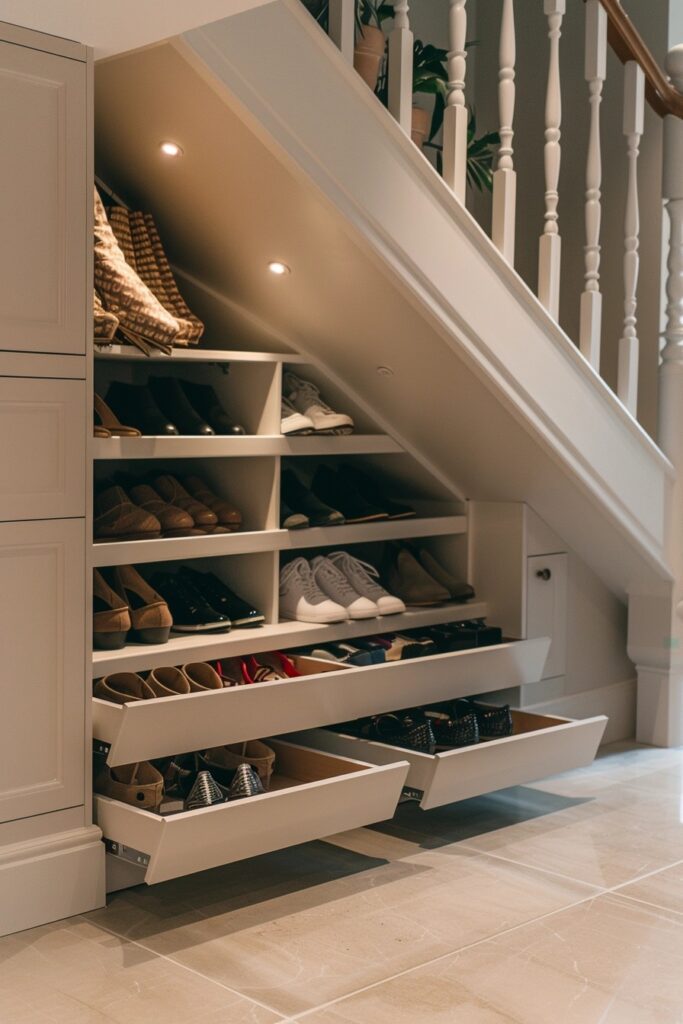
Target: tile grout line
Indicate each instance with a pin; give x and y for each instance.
(437, 959)
(190, 970)
(599, 889)
(647, 903)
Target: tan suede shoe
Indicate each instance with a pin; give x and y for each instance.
(413, 584)
(117, 518)
(172, 491)
(168, 682)
(151, 619)
(111, 616)
(175, 522)
(123, 688)
(202, 677)
(223, 761)
(138, 784)
(228, 515)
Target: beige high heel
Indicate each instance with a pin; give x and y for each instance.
(107, 423)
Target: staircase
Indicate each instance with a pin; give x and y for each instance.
(397, 291)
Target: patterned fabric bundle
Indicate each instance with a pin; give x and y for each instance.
(104, 324)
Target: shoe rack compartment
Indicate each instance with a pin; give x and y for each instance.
(174, 725)
(312, 795)
(540, 746)
(187, 447)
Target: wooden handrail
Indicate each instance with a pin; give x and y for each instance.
(628, 44)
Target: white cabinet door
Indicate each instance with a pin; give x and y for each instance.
(42, 669)
(42, 448)
(546, 613)
(43, 201)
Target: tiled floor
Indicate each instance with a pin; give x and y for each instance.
(560, 903)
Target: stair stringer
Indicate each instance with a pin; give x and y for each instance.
(607, 499)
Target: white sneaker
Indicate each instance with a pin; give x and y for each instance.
(364, 580)
(334, 583)
(305, 397)
(294, 422)
(302, 599)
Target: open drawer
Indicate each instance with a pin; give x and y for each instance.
(540, 746)
(312, 795)
(332, 693)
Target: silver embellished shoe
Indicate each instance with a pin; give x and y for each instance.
(245, 783)
(205, 793)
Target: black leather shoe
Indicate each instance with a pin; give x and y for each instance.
(409, 729)
(329, 487)
(173, 401)
(364, 484)
(299, 499)
(222, 598)
(493, 722)
(191, 611)
(134, 404)
(203, 396)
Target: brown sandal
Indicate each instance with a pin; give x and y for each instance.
(107, 421)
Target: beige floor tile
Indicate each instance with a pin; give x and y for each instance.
(304, 947)
(75, 973)
(663, 889)
(610, 961)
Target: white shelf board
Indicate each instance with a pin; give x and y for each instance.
(128, 353)
(185, 447)
(180, 650)
(136, 552)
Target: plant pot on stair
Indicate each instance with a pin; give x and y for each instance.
(420, 125)
(368, 53)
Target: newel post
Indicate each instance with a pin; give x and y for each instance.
(656, 620)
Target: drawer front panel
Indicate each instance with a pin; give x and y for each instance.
(550, 746)
(197, 840)
(42, 728)
(42, 449)
(172, 725)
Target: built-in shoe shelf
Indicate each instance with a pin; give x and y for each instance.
(172, 725)
(540, 746)
(313, 795)
(221, 447)
(128, 353)
(278, 636)
(136, 552)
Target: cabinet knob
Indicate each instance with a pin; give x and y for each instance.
(544, 574)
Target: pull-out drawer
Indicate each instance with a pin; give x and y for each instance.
(540, 746)
(174, 725)
(312, 795)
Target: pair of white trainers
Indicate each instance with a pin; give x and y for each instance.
(334, 588)
(304, 412)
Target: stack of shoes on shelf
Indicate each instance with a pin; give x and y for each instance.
(168, 407)
(430, 730)
(408, 644)
(300, 508)
(135, 291)
(417, 577)
(188, 782)
(201, 603)
(160, 507)
(314, 415)
(126, 608)
(345, 495)
(334, 588)
(355, 480)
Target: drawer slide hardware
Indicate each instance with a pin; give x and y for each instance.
(126, 853)
(100, 747)
(409, 793)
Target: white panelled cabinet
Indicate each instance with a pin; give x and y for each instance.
(43, 174)
(50, 852)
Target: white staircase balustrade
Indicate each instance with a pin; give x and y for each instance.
(595, 73)
(550, 247)
(400, 74)
(505, 176)
(634, 112)
(342, 14)
(455, 115)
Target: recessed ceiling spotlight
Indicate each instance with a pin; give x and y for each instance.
(171, 149)
(278, 267)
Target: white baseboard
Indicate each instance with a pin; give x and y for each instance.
(51, 877)
(617, 701)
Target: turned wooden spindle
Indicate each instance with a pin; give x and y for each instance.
(505, 176)
(634, 111)
(341, 27)
(455, 115)
(400, 72)
(550, 247)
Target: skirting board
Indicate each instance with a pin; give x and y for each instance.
(50, 878)
(617, 701)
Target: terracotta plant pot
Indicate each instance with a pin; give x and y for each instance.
(368, 53)
(419, 128)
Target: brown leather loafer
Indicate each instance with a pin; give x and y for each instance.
(412, 583)
(228, 515)
(172, 491)
(111, 616)
(151, 619)
(123, 688)
(175, 522)
(117, 518)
